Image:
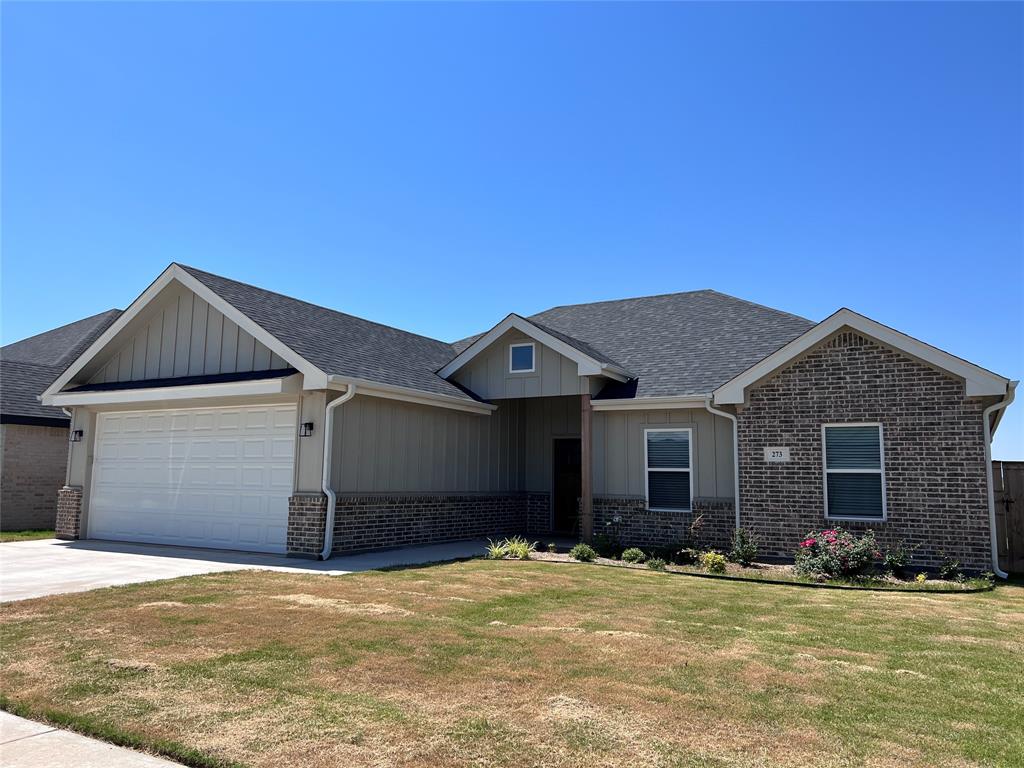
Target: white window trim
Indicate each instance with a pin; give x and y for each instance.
(880, 471)
(533, 357)
(648, 469)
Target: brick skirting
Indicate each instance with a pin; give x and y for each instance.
(307, 515)
(638, 526)
(538, 513)
(69, 513)
(375, 521)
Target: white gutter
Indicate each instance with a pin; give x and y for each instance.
(1010, 391)
(735, 455)
(408, 395)
(648, 403)
(326, 479)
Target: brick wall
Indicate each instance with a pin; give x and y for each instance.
(33, 469)
(379, 521)
(307, 515)
(642, 527)
(538, 513)
(69, 513)
(933, 443)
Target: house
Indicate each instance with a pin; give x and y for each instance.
(213, 413)
(34, 437)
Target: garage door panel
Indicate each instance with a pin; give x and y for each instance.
(201, 477)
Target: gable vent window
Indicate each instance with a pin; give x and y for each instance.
(669, 472)
(854, 471)
(520, 358)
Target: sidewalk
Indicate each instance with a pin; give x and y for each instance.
(27, 744)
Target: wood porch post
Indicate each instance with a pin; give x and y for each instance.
(586, 464)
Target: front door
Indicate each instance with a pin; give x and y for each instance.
(566, 484)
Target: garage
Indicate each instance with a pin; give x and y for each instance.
(197, 477)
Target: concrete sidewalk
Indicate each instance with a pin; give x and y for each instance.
(52, 567)
(27, 744)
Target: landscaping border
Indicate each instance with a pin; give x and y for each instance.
(783, 582)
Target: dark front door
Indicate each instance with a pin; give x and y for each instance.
(566, 484)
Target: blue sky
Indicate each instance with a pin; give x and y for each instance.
(435, 166)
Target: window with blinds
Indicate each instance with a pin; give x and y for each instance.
(668, 469)
(854, 471)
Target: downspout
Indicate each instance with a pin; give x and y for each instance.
(1010, 391)
(735, 454)
(326, 481)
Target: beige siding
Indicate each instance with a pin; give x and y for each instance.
(179, 334)
(389, 446)
(488, 376)
(619, 450)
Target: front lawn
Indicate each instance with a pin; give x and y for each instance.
(6, 536)
(526, 663)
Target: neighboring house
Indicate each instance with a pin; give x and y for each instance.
(34, 437)
(213, 413)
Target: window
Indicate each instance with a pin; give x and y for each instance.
(668, 468)
(520, 358)
(854, 471)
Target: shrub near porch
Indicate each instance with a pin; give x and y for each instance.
(528, 663)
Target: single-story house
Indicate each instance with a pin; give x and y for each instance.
(213, 413)
(34, 437)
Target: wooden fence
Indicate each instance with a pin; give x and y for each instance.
(1008, 482)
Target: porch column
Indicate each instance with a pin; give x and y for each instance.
(586, 491)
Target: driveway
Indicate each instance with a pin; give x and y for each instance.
(51, 567)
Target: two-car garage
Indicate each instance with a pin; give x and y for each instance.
(198, 477)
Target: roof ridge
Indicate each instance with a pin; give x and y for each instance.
(762, 306)
(60, 327)
(311, 304)
(628, 298)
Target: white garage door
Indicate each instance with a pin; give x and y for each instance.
(203, 477)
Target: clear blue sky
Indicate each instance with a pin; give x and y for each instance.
(437, 166)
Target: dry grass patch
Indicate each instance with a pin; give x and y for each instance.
(512, 663)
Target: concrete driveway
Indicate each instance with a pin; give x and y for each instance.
(51, 567)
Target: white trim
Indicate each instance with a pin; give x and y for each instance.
(409, 395)
(880, 471)
(313, 377)
(999, 408)
(276, 386)
(978, 381)
(533, 357)
(587, 366)
(648, 469)
(649, 403)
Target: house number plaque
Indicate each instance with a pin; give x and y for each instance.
(776, 454)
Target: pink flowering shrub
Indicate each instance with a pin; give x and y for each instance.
(834, 552)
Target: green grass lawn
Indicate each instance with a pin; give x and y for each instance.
(6, 536)
(526, 663)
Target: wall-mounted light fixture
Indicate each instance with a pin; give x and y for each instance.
(306, 429)
(76, 435)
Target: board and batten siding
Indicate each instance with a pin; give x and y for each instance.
(178, 335)
(487, 375)
(619, 450)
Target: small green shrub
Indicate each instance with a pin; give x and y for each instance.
(552, 547)
(835, 553)
(656, 564)
(634, 555)
(744, 547)
(897, 559)
(519, 548)
(949, 568)
(713, 562)
(685, 556)
(496, 550)
(583, 552)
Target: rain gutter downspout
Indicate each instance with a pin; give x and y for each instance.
(1010, 391)
(326, 480)
(735, 454)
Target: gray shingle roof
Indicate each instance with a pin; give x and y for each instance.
(678, 343)
(29, 366)
(338, 343)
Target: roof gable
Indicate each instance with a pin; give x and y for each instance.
(977, 380)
